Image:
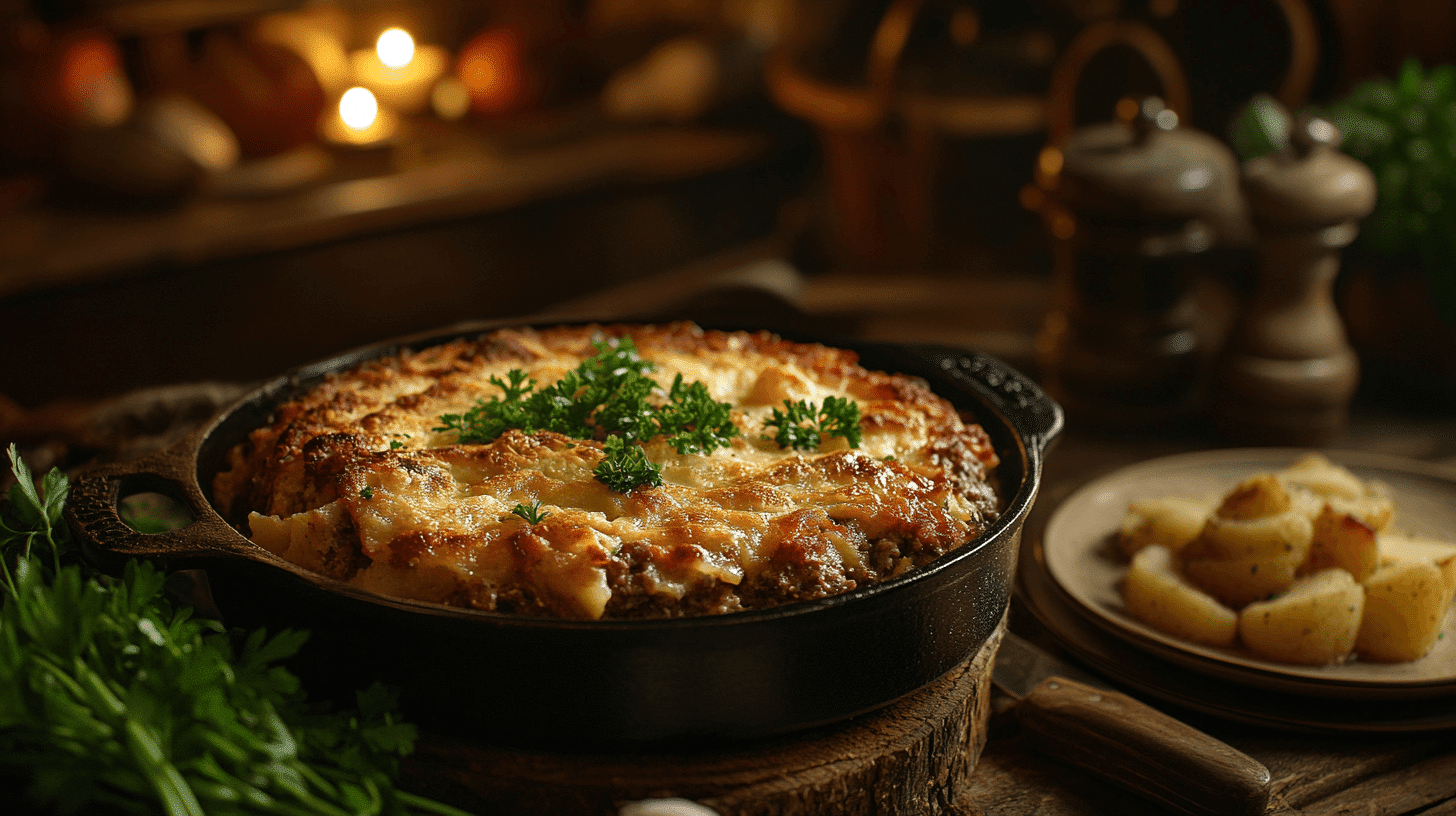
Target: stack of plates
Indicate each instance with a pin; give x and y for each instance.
(1070, 573)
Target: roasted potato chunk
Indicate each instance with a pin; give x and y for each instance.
(1374, 508)
(1337, 487)
(1409, 547)
(1314, 623)
(1169, 521)
(1257, 497)
(1286, 532)
(1240, 581)
(1315, 472)
(1405, 607)
(1342, 540)
(1252, 546)
(1157, 595)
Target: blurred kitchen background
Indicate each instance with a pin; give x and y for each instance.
(219, 190)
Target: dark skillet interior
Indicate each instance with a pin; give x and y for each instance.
(691, 681)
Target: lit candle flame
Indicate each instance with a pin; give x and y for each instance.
(358, 108)
(395, 48)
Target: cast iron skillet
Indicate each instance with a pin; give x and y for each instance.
(527, 681)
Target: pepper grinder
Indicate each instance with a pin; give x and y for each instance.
(1129, 204)
(1288, 373)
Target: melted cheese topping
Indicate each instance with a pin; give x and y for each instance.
(353, 480)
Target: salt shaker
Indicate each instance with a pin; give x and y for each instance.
(1129, 204)
(1288, 373)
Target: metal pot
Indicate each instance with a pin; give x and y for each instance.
(530, 681)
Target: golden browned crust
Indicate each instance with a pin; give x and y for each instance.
(352, 480)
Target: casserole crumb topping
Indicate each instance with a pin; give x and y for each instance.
(359, 479)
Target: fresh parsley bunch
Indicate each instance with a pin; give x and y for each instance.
(801, 424)
(611, 392)
(1405, 131)
(112, 696)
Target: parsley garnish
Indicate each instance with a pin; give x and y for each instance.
(531, 514)
(395, 444)
(489, 419)
(613, 380)
(693, 421)
(626, 466)
(115, 697)
(801, 423)
(606, 394)
(366, 493)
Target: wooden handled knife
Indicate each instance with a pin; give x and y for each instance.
(1069, 716)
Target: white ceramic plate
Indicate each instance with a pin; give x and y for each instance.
(1085, 564)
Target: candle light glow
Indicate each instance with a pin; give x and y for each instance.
(395, 47)
(399, 72)
(358, 108)
(360, 121)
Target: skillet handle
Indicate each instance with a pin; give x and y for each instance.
(1037, 416)
(91, 512)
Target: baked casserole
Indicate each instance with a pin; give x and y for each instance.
(616, 471)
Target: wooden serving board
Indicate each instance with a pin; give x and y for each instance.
(914, 757)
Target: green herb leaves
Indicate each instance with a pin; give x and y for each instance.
(613, 381)
(489, 419)
(693, 421)
(532, 514)
(608, 394)
(801, 423)
(1402, 130)
(626, 466)
(32, 513)
(112, 696)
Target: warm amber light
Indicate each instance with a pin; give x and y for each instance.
(1127, 109)
(395, 48)
(492, 68)
(358, 108)
(1049, 162)
(450, 98)
(94, 87)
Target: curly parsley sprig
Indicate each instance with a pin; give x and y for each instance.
(112, 696)
(626, 466)
(801, 424)
(611, 394)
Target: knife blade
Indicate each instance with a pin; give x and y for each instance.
(1070, 716)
